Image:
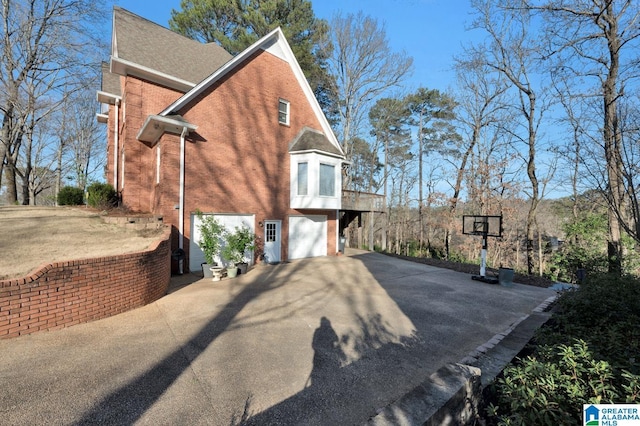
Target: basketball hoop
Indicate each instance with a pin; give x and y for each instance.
(484, 226)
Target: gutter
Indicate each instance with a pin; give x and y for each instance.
(115, 145)
(183, 134)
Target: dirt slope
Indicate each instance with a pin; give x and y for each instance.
(31, 236)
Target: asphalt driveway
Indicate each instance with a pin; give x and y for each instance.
(318, 341)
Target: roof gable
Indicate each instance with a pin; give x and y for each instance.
(276, 44)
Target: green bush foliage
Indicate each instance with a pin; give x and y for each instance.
(605, 313)
(70, 196)
(101, 195)
(588, 354)
(211, 234)
(585, 248)
(551, 387)
(237, 242)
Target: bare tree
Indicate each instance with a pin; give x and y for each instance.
(598, 41)
(389, 122)
(86, 150)
(433, 114)
(45, 48)
(364, 68)
(629, 119)
(514, 52)
(481, 104)
(38, 182)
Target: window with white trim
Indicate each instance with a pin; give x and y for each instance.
(327, 180)
(270, 233)
(303, 180)
(283, 111)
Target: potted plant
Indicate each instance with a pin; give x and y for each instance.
(211, 231)
(237, 243)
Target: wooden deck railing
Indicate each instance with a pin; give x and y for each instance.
(362, 201)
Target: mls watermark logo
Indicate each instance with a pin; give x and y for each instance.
(610, 415)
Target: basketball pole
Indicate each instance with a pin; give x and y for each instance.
(484, 226)
(483, 255)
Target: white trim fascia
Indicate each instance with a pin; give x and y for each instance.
(172, 122)
(102, 118)
(274, 37)
(124, 67)
(319, 152)
(114, 39)
(107, 98)
(178, 126)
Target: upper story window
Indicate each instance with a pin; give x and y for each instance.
(303, 173)
(283, 111)
(327, 180)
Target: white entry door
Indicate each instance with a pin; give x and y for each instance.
(272, 241)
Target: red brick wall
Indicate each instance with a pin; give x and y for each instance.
(238, 159)
(67, 293)
(141, 98)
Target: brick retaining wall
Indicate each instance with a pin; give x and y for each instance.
(62, 294)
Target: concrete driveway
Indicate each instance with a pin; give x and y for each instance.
(319, 341)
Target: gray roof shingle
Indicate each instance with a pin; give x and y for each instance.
(313, 140)
(146, 43)
(110, 82)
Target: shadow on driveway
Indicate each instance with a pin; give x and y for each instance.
(318, 341)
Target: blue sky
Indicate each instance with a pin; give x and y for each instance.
(431, 31)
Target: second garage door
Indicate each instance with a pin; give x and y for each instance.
(307, 236)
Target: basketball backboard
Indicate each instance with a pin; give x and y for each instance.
(491, 226)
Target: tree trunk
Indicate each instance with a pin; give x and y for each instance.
(11, 184)
(612, 150)
(385, 213)
(420, 195)
(535, 199)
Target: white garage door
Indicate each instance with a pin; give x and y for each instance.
(307, 236)
(229, 221)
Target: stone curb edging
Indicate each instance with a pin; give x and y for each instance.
(473, 357)
(447, 397)
(453, 394)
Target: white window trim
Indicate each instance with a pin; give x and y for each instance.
(313, 199)
(333, 192)
(287, 120)
(306, 189)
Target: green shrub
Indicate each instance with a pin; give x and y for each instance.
(101, 195)
(588, 353)
(237, 243)
(211, 233)
(551, 387)
(456, 256)
(70, 196)
(585, 248)
(605, 313)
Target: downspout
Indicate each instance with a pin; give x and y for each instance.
(184, 133)
(338, 236)
(115, 146)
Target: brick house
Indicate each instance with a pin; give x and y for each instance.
(191, 128)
